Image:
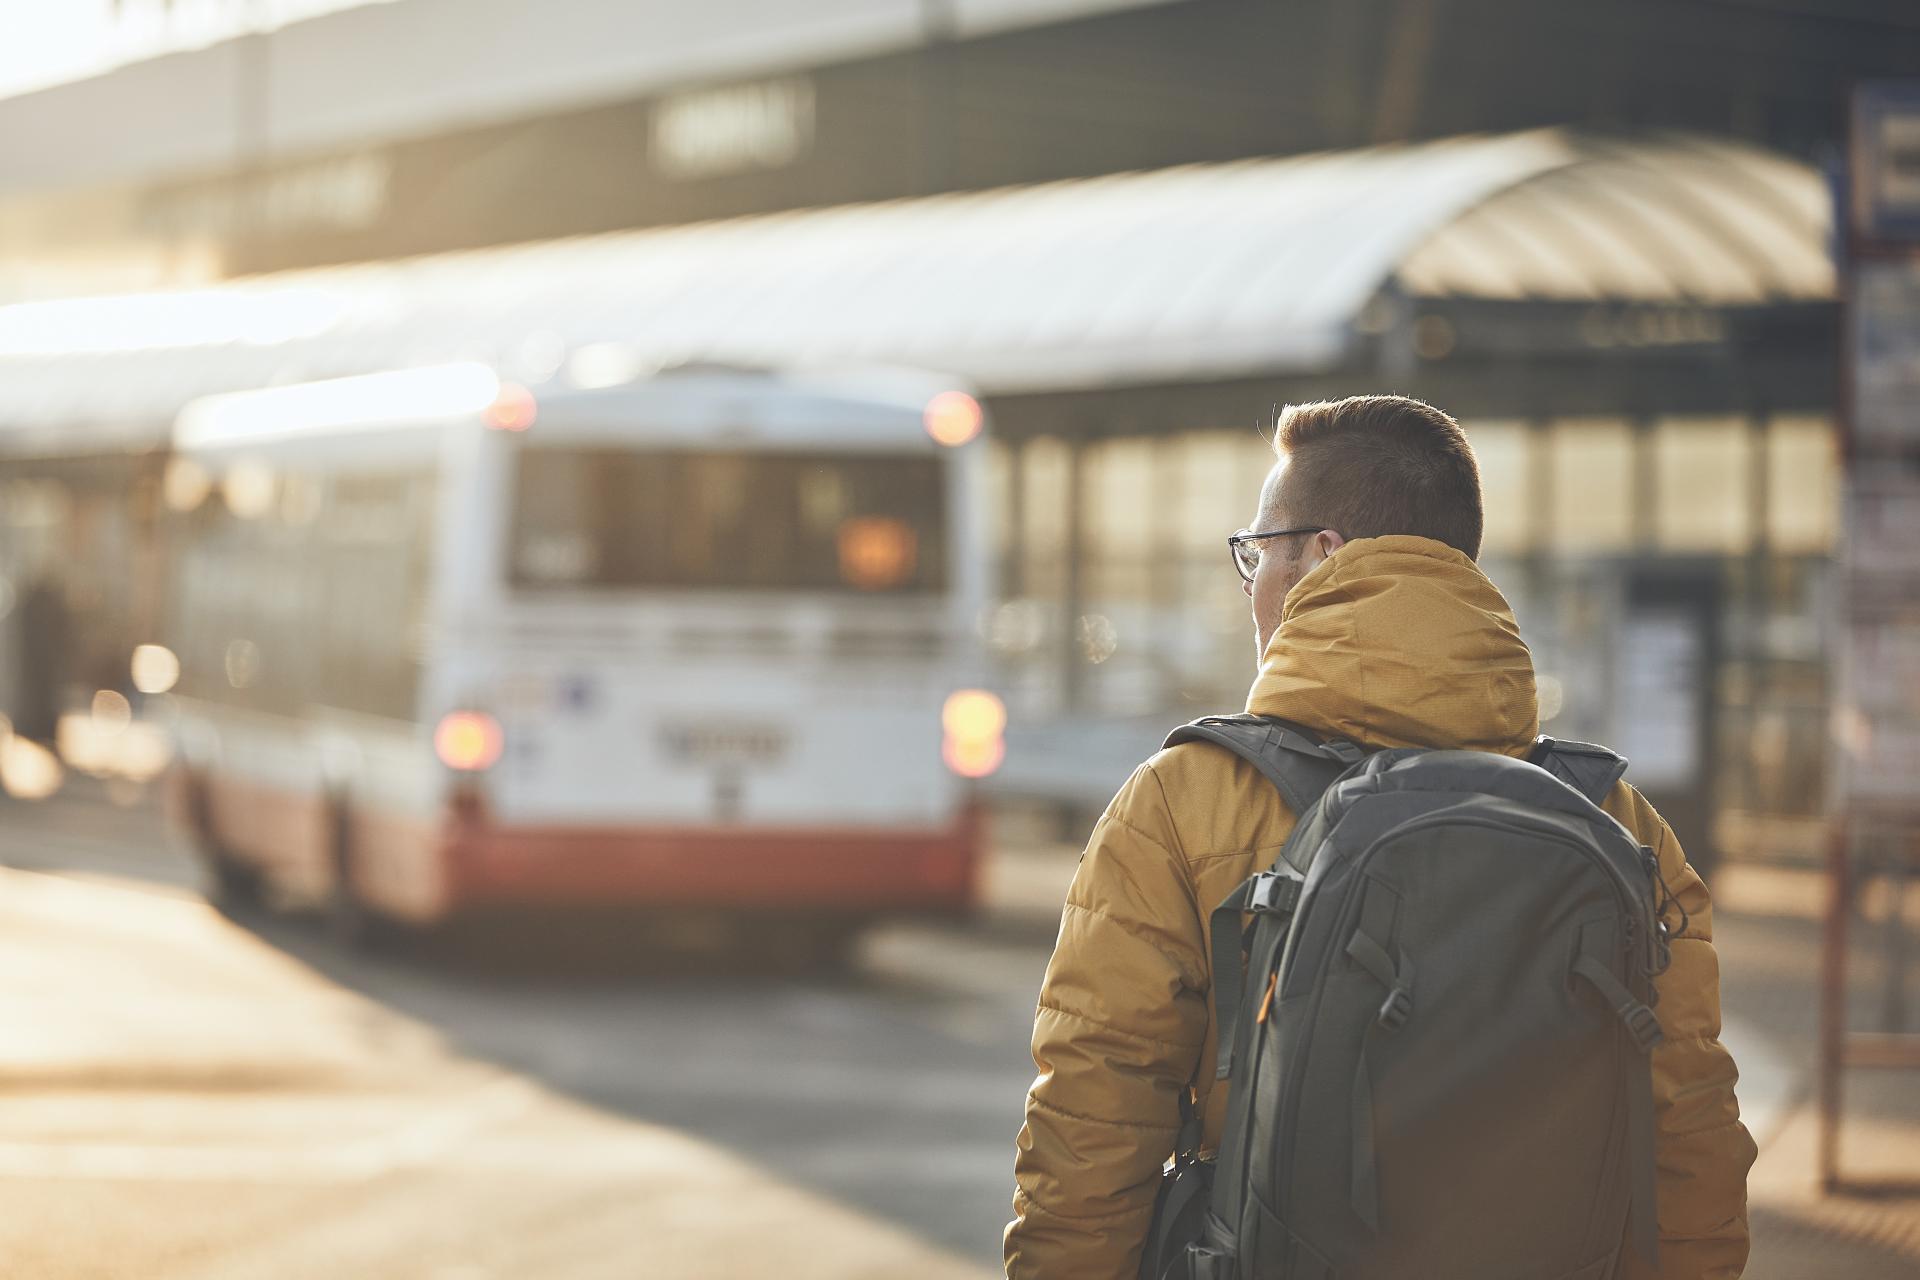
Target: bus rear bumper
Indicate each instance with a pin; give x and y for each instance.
(853, 871)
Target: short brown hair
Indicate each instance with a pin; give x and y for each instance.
(1368, 466)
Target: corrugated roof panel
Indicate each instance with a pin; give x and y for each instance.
(1196, 272)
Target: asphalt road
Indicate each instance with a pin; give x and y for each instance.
(885, 1098)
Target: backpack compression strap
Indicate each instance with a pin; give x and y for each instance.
(1587, 768)
(1301, 766)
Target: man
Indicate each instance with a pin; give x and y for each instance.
(1375, 625)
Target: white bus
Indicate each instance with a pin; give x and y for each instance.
(705, 642)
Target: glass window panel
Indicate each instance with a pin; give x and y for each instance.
(1701, 472)
(1120, 497)
(1256, 460)
(1222, 473)
(1504, 452)
(1043, 473)
(373, 545)
(1120, 524)
(1591, 464)
(589, 518)
(278, 614)
(1043, 469)
(1803, 485)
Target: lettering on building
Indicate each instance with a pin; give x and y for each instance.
(711, 132)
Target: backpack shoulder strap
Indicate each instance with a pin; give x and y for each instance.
(1297, 761)
(1586, 767)
(1301, 766)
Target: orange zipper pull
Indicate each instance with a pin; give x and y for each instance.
(1266, 1001)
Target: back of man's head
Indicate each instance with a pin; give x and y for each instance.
(1369, 466)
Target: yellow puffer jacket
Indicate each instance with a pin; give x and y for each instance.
(1391, 642)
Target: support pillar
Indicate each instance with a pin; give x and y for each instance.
(1073, 668)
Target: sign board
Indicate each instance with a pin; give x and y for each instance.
(1879, 764)
(1883, 534)
(1885, 353)
(1876, 711)
(1658, 674)
(1879, 728)
(1877, 707)
(1886, 161)
(1883, 668)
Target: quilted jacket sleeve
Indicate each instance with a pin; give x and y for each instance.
(1121, 1020)
(1702, 1150)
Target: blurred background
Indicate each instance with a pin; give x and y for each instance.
(660, 525)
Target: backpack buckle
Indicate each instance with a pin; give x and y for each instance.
(1274, 891)
(1643, 1026)
(1396, 1009)
(1343, 751)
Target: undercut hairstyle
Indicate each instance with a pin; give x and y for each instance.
(1368, 466)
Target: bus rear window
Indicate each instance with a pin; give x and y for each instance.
(629, 518)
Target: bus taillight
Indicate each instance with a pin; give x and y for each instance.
(514, 409)
(952, 418)
(469, 741)
(975, 723)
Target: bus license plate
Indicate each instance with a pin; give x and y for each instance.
(724, 743)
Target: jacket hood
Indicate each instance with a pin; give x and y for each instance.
(1401, 642)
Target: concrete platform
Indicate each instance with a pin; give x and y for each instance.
(180, 1101)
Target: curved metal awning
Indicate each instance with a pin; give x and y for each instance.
(1195, 273)
(1680, 219)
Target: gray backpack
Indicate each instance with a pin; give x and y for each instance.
(1436, 1027)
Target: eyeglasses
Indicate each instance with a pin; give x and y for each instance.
(1245, 547)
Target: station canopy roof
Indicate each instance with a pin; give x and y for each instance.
(1195, 273)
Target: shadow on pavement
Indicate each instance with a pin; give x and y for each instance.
(867, 1080)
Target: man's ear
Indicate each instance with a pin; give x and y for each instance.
(1327, 542)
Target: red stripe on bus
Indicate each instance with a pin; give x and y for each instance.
(850, 868)
(422, 871)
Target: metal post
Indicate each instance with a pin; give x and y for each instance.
(1893, 935)
(1755, 650)
(1833, 999)
(1166, 579)
(252, 141)
(1541, 501)
(1645, 498)
(940, 98)
(1073, 667)
(1013, 575)
(1409, 58)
